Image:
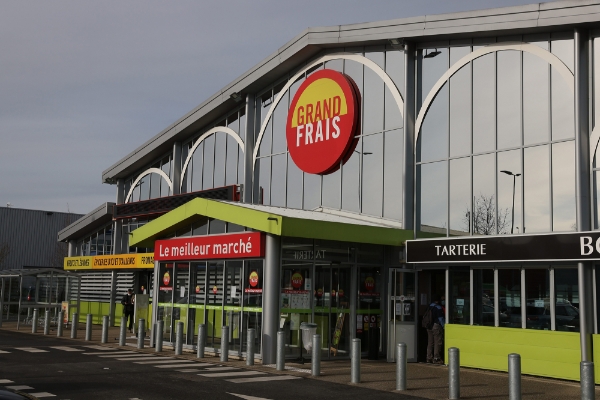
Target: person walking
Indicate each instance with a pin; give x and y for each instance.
(436, 333)
(128, 301)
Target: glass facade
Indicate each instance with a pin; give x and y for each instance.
(98, 244)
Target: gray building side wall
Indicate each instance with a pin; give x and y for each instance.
(31, 236)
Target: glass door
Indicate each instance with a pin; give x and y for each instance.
(197, 299)
(181, 293)
(402, 326)
(253, 295)
(233, 304)
(296, 292)
(214, 303)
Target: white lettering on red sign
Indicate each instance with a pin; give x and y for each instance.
(235, 245)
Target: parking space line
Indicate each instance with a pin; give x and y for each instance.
(42, 394)
(31, 350)
(263, 379)
(227, 374)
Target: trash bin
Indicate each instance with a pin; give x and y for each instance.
(373, 353)
(308, 330)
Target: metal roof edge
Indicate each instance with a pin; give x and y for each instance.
(92, 220)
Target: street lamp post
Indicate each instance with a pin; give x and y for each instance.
(512, 225)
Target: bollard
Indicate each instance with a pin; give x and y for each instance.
(179, 339)
(59, 326)
(587, 380)
(201, 341)
(141, 333)
(34, 321)
(123, 332)
(158, 341)
(88, 327)
(453, 373)
(401, 366)
(316, 356)
(225, 344)
(355, 362)
(514, 377)
(47, 322)
(250, 347)
(153, 335)
(280, 360)
(104, 337)
(74, 324)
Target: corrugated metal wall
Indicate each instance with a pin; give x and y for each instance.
(31, 236)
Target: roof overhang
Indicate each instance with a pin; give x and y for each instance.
(274, 220)
(87, 224)
(527, 19)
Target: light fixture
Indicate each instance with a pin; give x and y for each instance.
(397, 43)
(236, 96)
(432, 54)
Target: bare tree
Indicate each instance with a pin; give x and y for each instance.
(4, 251)
(484, 221)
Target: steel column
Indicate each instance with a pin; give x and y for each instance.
(249, 148)
(250, 346)
(158, 341)
(201, 341)
(280, 364)
(123, 332)
(59, 325)
(514, 376)
(587, 381)
(355, 361)
(401, 366)
(176, 168)
(179, 339)
(453, 373)
(34, 321)
(271, 291)
(316, 356)
(47, 322)
(141, 333)
(225, 344)
(88, 327)
(408, 173)
(74, 324)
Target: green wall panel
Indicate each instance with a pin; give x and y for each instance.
(543, 353)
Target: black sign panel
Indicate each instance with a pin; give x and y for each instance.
(576, 246)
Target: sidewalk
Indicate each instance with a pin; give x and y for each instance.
(424, 380)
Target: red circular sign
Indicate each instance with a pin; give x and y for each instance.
(323, 121)
(215, 289)
(166, 278)
(297, 280)
(253, 279)
(369, 283)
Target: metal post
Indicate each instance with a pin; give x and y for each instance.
(271, 293)
(59, 326)
(201, 340)
(355, 367)
(401, 366)
(74, 324)
(153, 335)
(250, 347)
(105, 322)
(123, 332)
(408, 169)
(2, 302)
(587, 380)
(34, 321)
(88, 327)
(158, 341)
(47, 322)
(453, 373)
(141, 333)
(225, 344)
(179, 339)
(280, 364)
(514, 377)
(316, 356)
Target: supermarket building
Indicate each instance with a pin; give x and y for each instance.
(361, 170)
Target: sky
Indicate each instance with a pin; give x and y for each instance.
(83, 83)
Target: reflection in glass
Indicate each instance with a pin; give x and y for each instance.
(209, 160)
(145, 187)
(264, 180)
(507, 185)
(509, 293)
(433, 196)
(373, 96)
(536, 99)
(394, 67)
(509, 99)
(434, 131)
(563, 103)
(279, 119)
(536, 177)
(460, 197)
(537, 290)
(433, 68)
(155, 186)
(567, 299)
(563, 187)
(294, 184)
(232, 158)
(484, 220)
(392, 174)
(332, 189)
(459, 302)
(484, 100)
(483, 298)
(312, 191)
(195, 167)
(220, 154)
(350, 182)
(460, 108)
(372, 178)
(278, 180)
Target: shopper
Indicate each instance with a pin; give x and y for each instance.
(128, 302)
(436, 333)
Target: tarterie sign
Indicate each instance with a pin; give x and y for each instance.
(234, 245)
(323, 121)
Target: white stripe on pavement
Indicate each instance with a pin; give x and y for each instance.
(263, 379)
(226, 374)
(114, 352)
(103, 348)
(126, 355)
(222, 369)
(4, 352)
(65, 348)
(42, 394)
(127, 358)
(161, 361)
(180, 365)
(5, 381)
(31, 349)
(20, 387)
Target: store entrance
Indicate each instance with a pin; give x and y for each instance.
(402, 313)
(432, 282)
